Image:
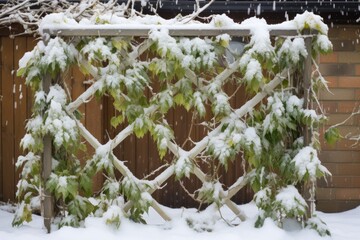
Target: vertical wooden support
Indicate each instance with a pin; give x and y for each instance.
(309, 187)
(47, 201)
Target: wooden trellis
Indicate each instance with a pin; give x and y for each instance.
(176, 150)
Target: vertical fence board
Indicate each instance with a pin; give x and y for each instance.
(77, 87)
(245, 194)
(141, 156)
(191, 184)
(181, 132)
(31, 43)
(1, 114)
(20, 100)
(228, 175)
(166, 194)
(154, 160)
(129, 152)
(74, 80)
(94, 123)
(110, 132)
(7, 122)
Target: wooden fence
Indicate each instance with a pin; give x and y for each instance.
(340, 193)
(141, 155)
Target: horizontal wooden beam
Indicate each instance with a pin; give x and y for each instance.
(143, 31)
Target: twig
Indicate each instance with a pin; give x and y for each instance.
(190, 130)
(347, 119)
(156, 170)
(191, 17)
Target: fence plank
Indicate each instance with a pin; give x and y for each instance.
(20, 100)
(142, 154)
(154, 161)
(7, 122)
(180, 127)
(191, 184)
(166, 195)
(74, 80)
(129, 152)
(245, 194)
(77, 88)
(1, 114)
(94, 123)
(31, 43)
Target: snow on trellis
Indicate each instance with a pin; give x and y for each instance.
(102, 47)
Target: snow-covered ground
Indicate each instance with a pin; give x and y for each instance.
(344, 226)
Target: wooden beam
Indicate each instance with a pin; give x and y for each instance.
(309, 187)
(143, 31)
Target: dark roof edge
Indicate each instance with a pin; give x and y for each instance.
(339, 12)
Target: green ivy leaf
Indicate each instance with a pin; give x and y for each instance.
(86, 184)
(20, 72)
(116, 120)
(332, 135)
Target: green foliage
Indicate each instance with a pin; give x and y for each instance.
(80, 207)
(136, 192)
(162, 134)
(113, 216)
(332, 135)
(318, 225)
(23, 214)
(210, 193)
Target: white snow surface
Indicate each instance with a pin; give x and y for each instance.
(307, 161)
(343, 226)
(287, 196)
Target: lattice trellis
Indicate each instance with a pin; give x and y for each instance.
(181, 154)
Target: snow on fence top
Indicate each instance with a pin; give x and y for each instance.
(111, 25)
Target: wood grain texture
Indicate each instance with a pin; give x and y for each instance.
(20, 101)
(7, 121)
(1, 114)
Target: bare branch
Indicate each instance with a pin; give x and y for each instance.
(198, 11)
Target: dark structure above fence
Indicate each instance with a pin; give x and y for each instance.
(340, 12)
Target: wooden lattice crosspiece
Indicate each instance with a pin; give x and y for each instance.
(192, 71)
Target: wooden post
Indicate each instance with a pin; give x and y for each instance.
(47, 200)
(309, 187)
